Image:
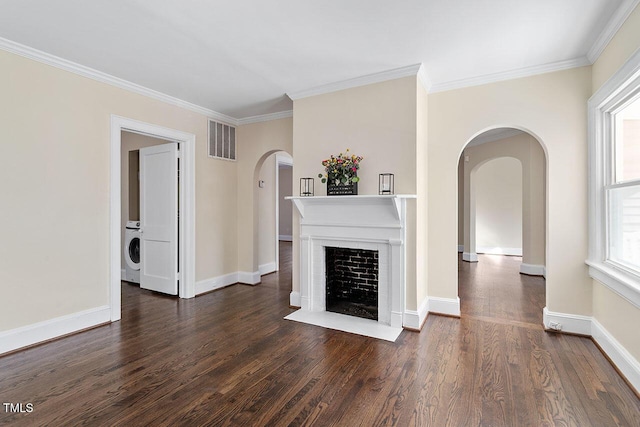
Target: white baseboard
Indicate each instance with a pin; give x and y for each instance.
(285, 237)
(415, 319)
(563, 322)
(469, 257)
(586, 325)
(533, 270)
(294, 299)
(42, 331)
(267, 268)
(624, 361)
(249, 278)
(460, 248)
(446, 306)
(214, 283)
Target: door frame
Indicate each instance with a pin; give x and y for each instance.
(186, 246)
(281, 159)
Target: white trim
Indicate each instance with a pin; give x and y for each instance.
(621, 358)
(214, 283)
(294, 299)
(570, 323)
(612, 27)
(615, 280)
(623, 84)
(499, 251)
(509, 75)
(411, 70)
(415, 319)
(248, 278)
(187, 265)
(42, 331)
(267, 268)
(469, 257)
(460, 248)
(81, 70)
(285, 237)
(265, 117)
(533, 269)
(446, 306)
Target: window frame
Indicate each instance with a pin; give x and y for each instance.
(611, 98)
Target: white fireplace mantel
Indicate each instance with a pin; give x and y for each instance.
(372, 222)
(393, 203)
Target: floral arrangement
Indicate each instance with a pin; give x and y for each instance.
(341, 169)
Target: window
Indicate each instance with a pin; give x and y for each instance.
(222, 141)
(614, 182)
(623, 192)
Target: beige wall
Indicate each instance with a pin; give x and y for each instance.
(378, 122)
(267, 212)
(256, 142)
(551, 107)
(616, 314)
(422, 202)
(56, 130)
(285, 210)
(460, 204)
(499, 204)
(620, 48)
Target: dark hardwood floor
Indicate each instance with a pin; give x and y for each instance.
(229, 358)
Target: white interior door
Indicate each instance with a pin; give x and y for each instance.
(159, 218)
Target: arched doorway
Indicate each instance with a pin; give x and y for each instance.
(501, 214)
(268, 206)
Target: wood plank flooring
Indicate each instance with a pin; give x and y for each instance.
(229, 358)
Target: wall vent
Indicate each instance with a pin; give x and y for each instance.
(222, 141)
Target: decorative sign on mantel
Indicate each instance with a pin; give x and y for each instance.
(341, 174)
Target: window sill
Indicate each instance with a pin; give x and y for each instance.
(621, 282)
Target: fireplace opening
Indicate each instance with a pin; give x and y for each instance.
(352, 282)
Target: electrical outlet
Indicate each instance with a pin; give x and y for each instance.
(555, 326)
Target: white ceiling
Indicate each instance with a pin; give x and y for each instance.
(242, 57)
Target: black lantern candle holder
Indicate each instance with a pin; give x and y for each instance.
(306, 187)
(386, 184)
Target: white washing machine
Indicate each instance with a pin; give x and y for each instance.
(132, 252)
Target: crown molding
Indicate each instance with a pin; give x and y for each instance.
(265, 117)
(383, 76)
(612, 27)
(81, 70)
(512, 74)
